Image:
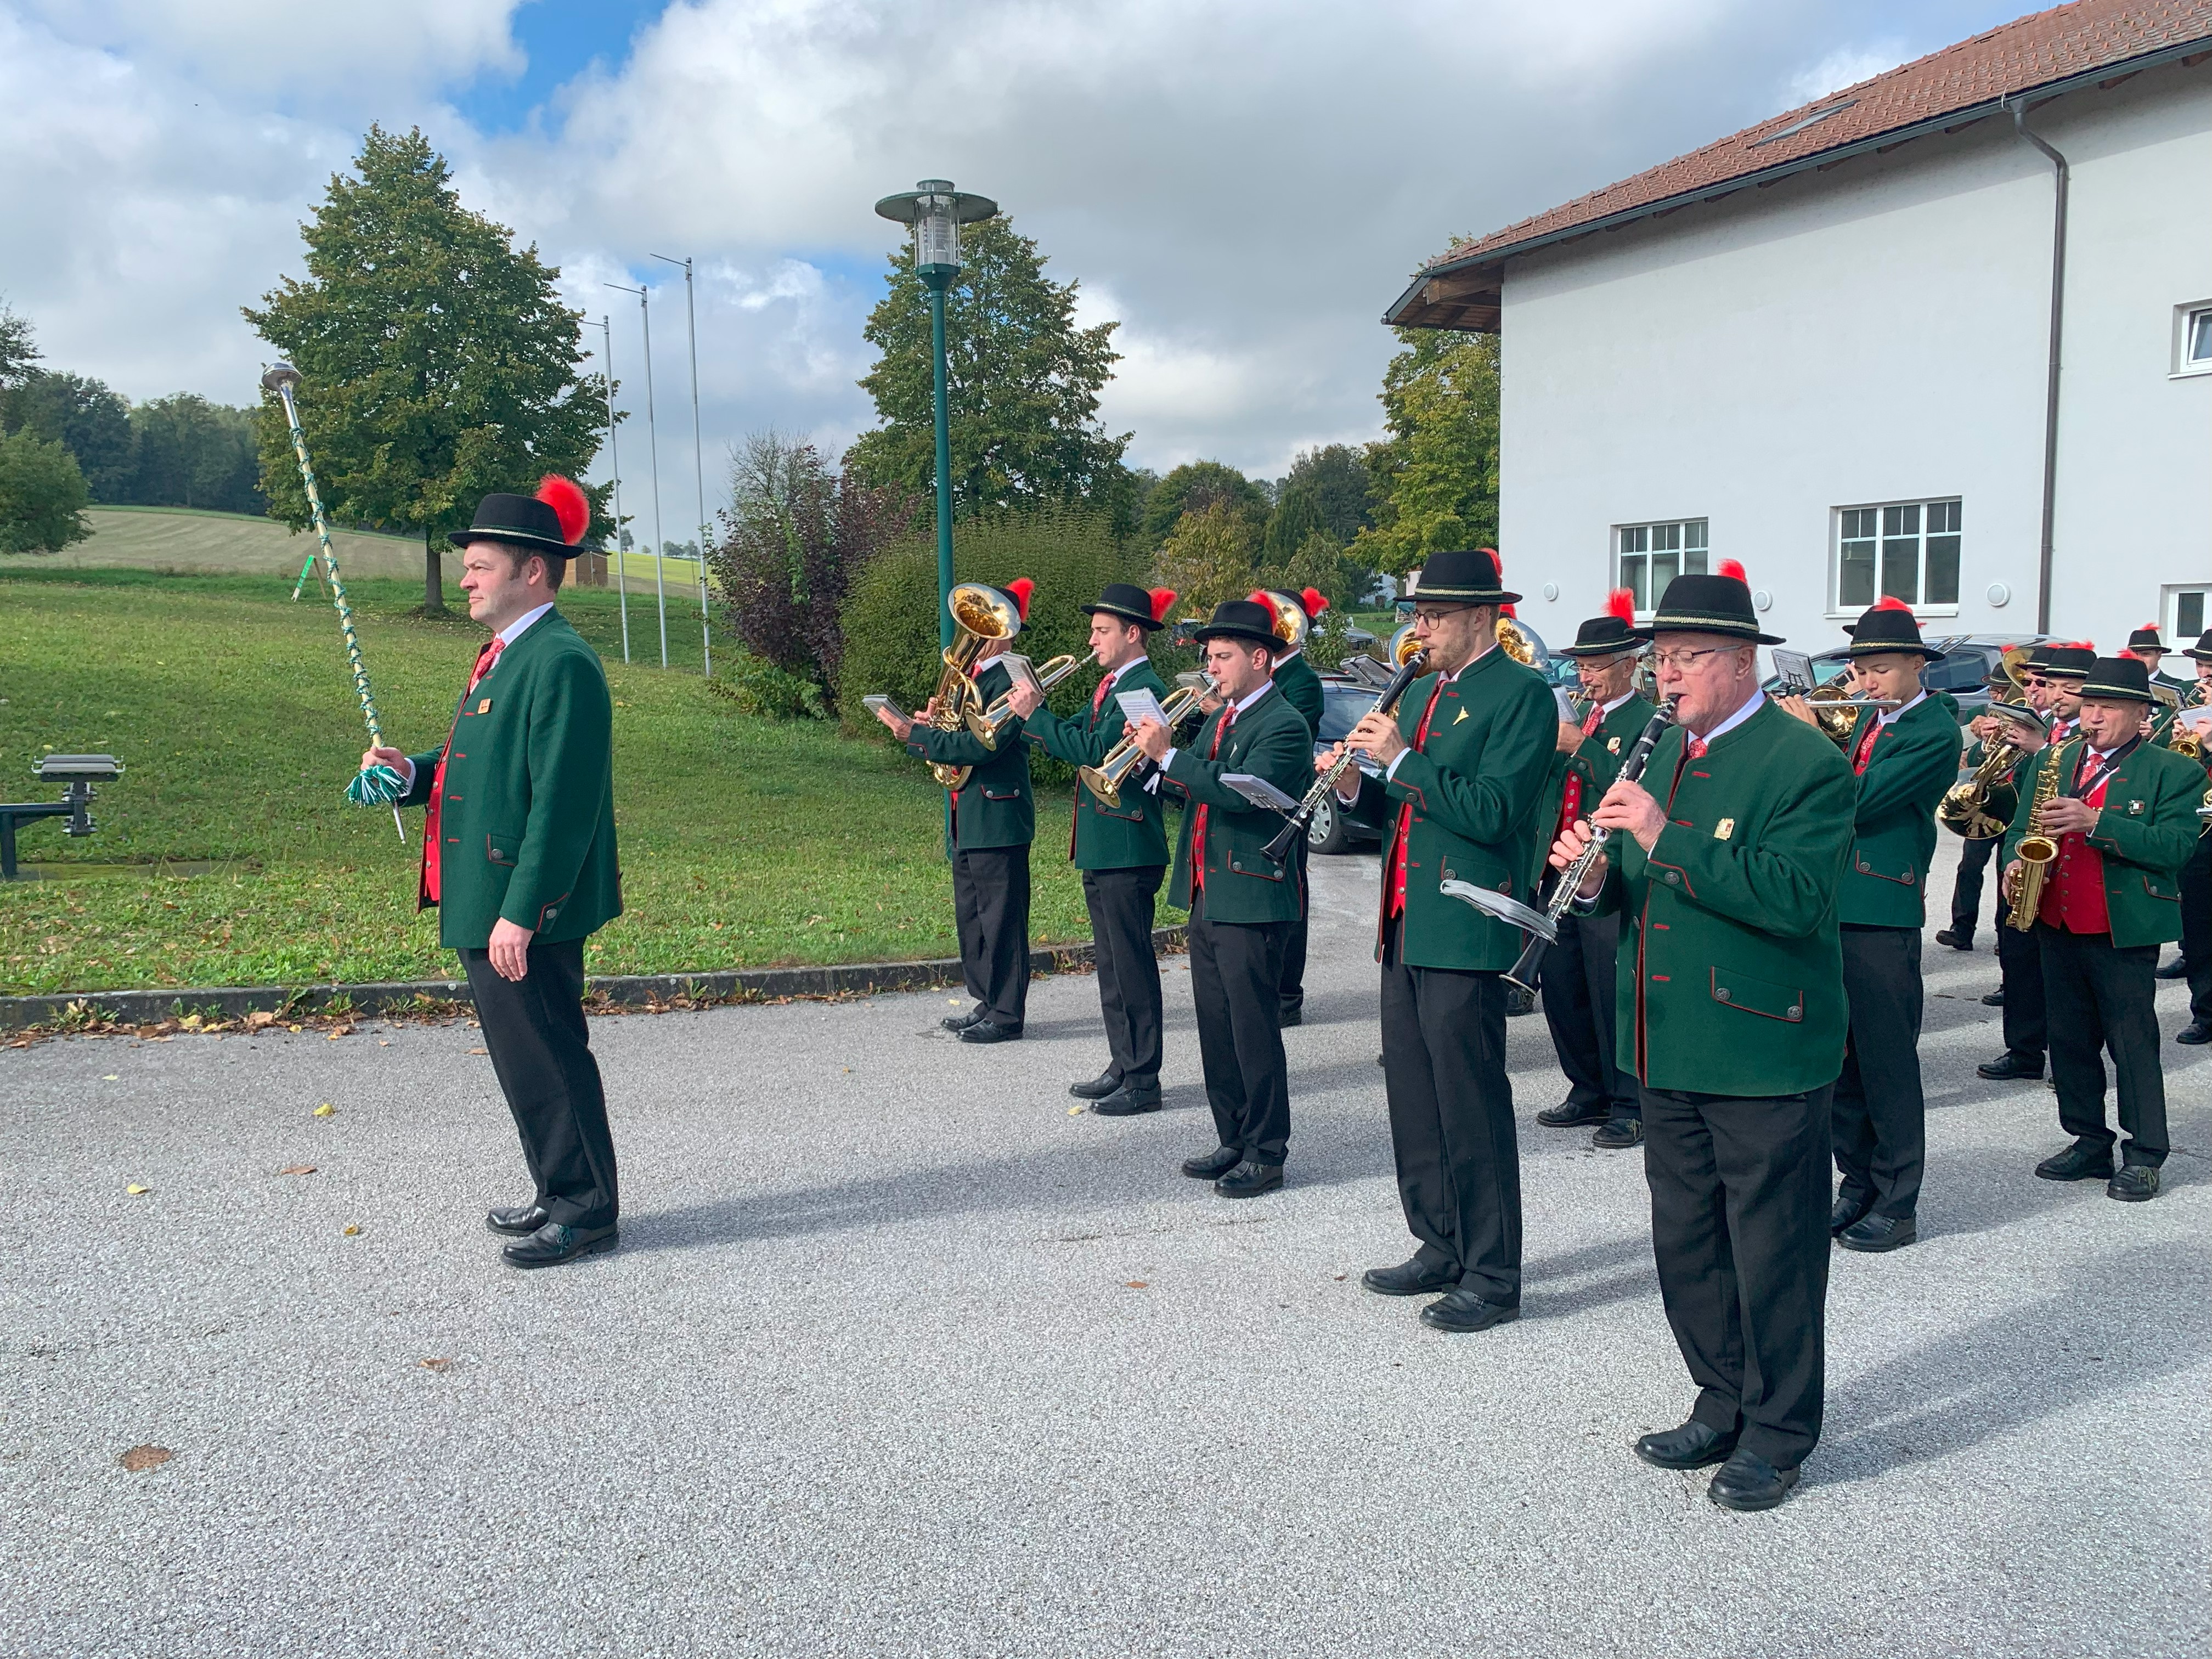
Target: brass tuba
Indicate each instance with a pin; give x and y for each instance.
(982, 617)
(1291, 623)
(1514, 642)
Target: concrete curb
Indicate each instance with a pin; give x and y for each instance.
(622, 990)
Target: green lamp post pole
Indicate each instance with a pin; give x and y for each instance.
(937, 211)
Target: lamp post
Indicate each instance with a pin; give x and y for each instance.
(653, 458)
(614, 454)
(937, 211)
(698, 464)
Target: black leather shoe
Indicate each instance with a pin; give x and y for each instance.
(1288, 1016)
(2009, 1066)
(990, 1030)
(1873, 1234)
(961, 1022)
(553, 1243)
(1213, 1165)
(1849, 1211)
(1690, 1446)
(2135, 1183)
(1097, 1089)
(1414, 1277)
(1747, 1481)
(1249, 1180)
(1995, 999)
(2084, 1160)
(1130, 1098)
(522, 1220)
(1568, 1116)
(2178, 969)
(1955, 940)
(2197, 1032)
(1618, 1134)
(1462, 1310)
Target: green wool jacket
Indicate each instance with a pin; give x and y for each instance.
(1271, 740)
(1731, 970)
(1134, 835)
(1300, 687)
(1913, 763)
(1476, 789)
(993, 807)
(2147, 831)
(527, 827)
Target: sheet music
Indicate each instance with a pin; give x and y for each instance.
(1259, 792)
(1023, 669)
(1140, 705)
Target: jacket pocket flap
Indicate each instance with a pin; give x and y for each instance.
(2161, 887)
(1883, 869)
(501, 848)
(990, 794)
(1258, 867)
(1758, 996)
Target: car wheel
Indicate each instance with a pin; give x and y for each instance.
(1325, 831)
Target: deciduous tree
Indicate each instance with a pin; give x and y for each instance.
(1195, 485)
(1436, 473)
(42, 495)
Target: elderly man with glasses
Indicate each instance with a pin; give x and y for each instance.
(1726, 858)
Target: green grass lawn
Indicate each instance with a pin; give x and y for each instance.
(744, 842)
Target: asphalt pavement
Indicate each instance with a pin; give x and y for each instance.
(898, 1356)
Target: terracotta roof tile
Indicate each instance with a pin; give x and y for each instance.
(2014, 57)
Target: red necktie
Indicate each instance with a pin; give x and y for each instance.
(1198, 824)
(1696, 749)
(431, 845)
(1098, 700)
(1589, 724)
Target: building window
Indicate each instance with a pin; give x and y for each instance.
(1647, 557)
(2185, 609)
(2192, 346)
(1907, 550)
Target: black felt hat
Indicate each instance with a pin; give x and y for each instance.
(1601, 636)
(1889, 625)
(2146, 638)
(1463, 576)
(2063, 662)
(2117, 679)
(1241, 619)
(1708, 604)
(2203, 650)
(1148, 610)
(552, 522)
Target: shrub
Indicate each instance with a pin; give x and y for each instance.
(758, 687)
(42, 495)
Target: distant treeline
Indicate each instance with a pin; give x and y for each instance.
(179, 451)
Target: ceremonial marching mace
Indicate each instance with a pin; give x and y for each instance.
(373, 786)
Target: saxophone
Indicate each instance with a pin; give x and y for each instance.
(2036, 850)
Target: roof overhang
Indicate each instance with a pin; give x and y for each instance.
(1467, 294)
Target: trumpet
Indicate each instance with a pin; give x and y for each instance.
(2178, 737)
(1410, 667)
(981, 615)
(1837, 711)
(2036, 850)
(1115, 772)
(989, 724)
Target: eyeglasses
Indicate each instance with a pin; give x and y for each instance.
(1683, 661)
(1431, 618)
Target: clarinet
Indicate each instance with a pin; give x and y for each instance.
(1279, 848)
(1524, 972)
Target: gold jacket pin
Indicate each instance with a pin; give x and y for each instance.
(1724, 829)
(2134, 809)
(1462, 715)
(483, 706)
(1612, 745)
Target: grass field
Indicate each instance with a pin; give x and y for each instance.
(744, 842)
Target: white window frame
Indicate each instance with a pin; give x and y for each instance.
(2188, 321)
(1691, 546)
(2169, 618)
(1837, 607)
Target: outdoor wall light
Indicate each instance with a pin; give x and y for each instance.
(1762, 600)
(1552, 592)
(1999, 594)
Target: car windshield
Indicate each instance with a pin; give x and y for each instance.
(1342, 708)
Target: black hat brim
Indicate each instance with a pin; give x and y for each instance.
(1633, 641)
(1274, 641)
(544, 545)
(1885, 647)
(1464, 595)
(1147, 622)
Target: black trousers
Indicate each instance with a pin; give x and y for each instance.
(1740, 1228)
(1967, 890)
(2103, 996)
(1451, 1121)
(991, 909)
(1579, 1007)
(1235, 972)
(541, 1052)
(1121, 904)
(2019, 960)
(1293, 994)
(1879, 1122)
(2196, 927)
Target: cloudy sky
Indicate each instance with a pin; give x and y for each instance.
(1244, 185)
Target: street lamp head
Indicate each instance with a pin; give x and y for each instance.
(936, 210)
(279, 376)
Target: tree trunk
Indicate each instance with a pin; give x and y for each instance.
(434, 576)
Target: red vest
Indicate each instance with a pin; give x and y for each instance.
(1406, 813)
(2074, 891)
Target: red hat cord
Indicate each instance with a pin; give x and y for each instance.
(569, 504)
(1162, 597)
(1021, 587)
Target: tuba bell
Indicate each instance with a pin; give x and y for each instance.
(981, 615)
(1291, 623)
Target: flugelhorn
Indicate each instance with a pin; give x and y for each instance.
(989, 724)
(1113, 774)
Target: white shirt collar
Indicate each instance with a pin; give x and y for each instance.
(1885, 719)
(515, 629)
(1604, 708)
(1757, 700)
(1115, 674)
(1266, 686)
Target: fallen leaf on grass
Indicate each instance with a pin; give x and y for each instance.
(260, 1020)
(327, 1110)
(437, 1364)
(136, 1191)
(297, 1168)
(353, 1232)
(141, 1458)
(1139, 1284)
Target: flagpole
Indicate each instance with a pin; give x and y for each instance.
(614, 456)
(698, 462)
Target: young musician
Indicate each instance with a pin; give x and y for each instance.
(2148, 647)
(1300, 687)
(1121, 850)
(1578, 971)
(2124, 813)
(1241, 902)
(1726, 861)
(1464, 756)
(1904, 759)
(994, 821)
(1986, 729)
(519, 856)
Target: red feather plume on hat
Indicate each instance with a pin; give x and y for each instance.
(1314, 600)
(2078, 645)
(2147, 628)
(570, 505)
(1621, 603)
(1891, 602)
(1020, 589)
(1733, 567)
(1162, 597)
(2129, 656)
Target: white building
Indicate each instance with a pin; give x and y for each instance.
(1825, 347)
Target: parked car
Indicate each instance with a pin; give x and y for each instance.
(1336, 828)
(1968, 660)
